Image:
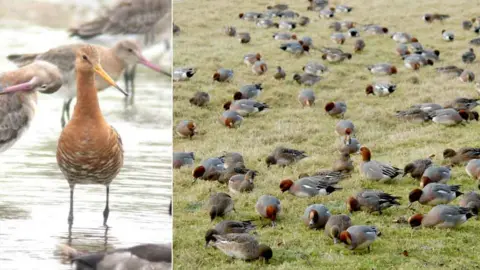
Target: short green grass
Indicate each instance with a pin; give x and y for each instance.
(203, 45)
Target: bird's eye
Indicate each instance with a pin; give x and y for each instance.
(130, 50)
(43, 86)
(84, 57)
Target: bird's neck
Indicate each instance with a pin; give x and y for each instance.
(87, 100)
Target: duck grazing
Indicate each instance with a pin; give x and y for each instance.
(418, 167)
(279, 74)
(306, 79)
(435, 174)
(242, 183)
(448, 117)
(371, 201)
(471, 200)
(250, 58)
(447, 35)
(434, 194)
(336, 109)
(245, 107)
(335, 225)
(311, 186)
(314, 68)
(181, 159)
(284, 156)
(359, 236)
(19, 100)
(228, 226)
(200, 99)
(469, 56)
(183, 74)
(244, 37)
(241, 246)
(382, 69)
(220, 204)
(442, 216)
(89, 132)
(186, 128)
(259, 67)
(381, 89)
(316, 216)
(306, 97)
(269, 207)
(462, 156)
(344, 163)
(359, 45)
(223, 75)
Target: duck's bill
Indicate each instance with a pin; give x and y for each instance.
(99, 70)
(28, 86)
(152, 66)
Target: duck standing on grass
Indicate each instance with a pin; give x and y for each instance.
(359, 236)
(89, 150)
(241, 246)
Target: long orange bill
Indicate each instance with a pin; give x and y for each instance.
(99, 70)
(28, 86)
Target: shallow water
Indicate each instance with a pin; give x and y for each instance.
(34, 196)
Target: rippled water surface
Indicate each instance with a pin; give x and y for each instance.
(34, 196)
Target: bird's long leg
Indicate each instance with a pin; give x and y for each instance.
(63, 120)
(107, 209)
(70, 213)
(126, 78)
(67, 107)
(133, 72)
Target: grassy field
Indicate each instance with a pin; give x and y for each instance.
(203, 45)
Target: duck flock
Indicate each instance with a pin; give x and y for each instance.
(433, 180)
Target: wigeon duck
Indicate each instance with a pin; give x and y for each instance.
(336, 26)
(401, 37)
(287, 25)
(475, 41)
(448, 117)
(416, 47)
(336, 109)
(284, 36)
(248, 91)
(343, 8)
(344, 163)
(288, 14)
(349, 144)
(415, 61)
(467, 25)
(314, 68)
(295, 48)
(183, 74)
(327, 13)
(230, 31)
(259, 67)
(352, 32)
(223, 75)
(284, 156)
(371, 201)
(181, 159)
(450, 70)
(245, 107)
(375, 170)
(310, 186)
(304, 20)
(375, 29)
(447, 35)
(469, 56)
(307, 41)
(266, 23)
(232, 159)
(228, 226)
(249, 16)
(471, 200)
(427, 107)
(209, 169)
(241, 246)
(342, 126)
(269, 207)
(463, 103)
(330, 176)
(186, 128)
(306, 78)
(280, 7)
(336, 57)
(433, 55)
(306, 97)
(359, 45)
(220, 204)
(200, 99)
(414, 115)
(244, 37)
(331, 50)
(381, 89)
(437, 174)
(317, 5)
(338, 38)
(335, 225)
(231, 119)
(279, 74)
(431, 17)
(441, 216)
(225, 175)
(467, 76)
(359, 236)
(434, 194)
(241, 182)
(382, 69)
(473, 169)
(250, 58)
(417, 167)
(316, 216)
(402, 50)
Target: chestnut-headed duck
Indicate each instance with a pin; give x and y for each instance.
(371, 201)
(336, 108)
(359, 237)
(209, 169)
(469, 56)
(338, 38)
(231, 119)
(306, 79)
(342, 126)
(241, 246)
(381, 89)
(401, 37)
(448, 35)
(269, 207)
(349, 144)
(250, 16)
(335, 225)
(248, 91)
(200, 99)
(435, 174)
(375, 170)
(441, 216)
(223, 75)
(306, 97)
(344, 163)
(314, 68)
(259, 67)
(284, 36)
(250, 58)
(373, 29)
(359, 45)
(382, 69)
(220, 204)
(183, 74)
(462, 156)
(245, 107)
(415, 61)
(242, 182)
(186, 128)
(279, 74)
(282, 156)
(229, 226)
(434, 194)
(431, 17)
(417, 167)
(310, 186)
(316, 216)
(449, 116)
(181, 159)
